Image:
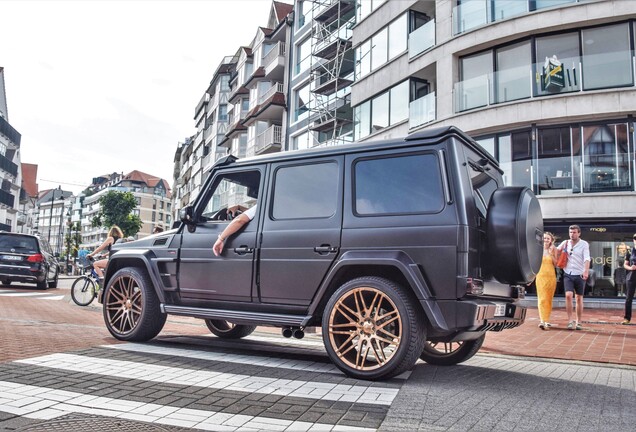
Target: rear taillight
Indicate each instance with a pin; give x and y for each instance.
(36, 258)
(474, 286)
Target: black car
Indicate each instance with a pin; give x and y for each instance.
(27, 258)
(398, 249)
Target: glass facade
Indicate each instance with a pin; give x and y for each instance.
(573, 61)
(567, 159)
(385, 109)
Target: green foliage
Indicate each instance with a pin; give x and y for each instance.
(116, 209)
(73, 239)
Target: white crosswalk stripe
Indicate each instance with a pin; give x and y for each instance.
(37, 295)
(200, 378)
(255, 360)
(43, 403)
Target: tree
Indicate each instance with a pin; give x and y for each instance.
(116, 209)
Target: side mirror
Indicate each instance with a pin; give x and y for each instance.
(185, 214)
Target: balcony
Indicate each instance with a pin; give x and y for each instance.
(5, 227)
(274, 62)
(268, 141)
(7, 199)
(269, 106)
(8, 166)
(8, 130)
(422, 110)
(422, 39)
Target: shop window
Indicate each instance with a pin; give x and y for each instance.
(515, 158)
(554, 169)
(607, 165)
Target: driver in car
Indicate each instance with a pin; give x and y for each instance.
(234, 226)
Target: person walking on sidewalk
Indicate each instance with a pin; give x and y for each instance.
(575, 273)
(630, 266)
(546, 280)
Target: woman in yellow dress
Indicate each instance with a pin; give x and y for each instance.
(546, 280)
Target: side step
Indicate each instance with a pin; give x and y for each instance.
(237, 317)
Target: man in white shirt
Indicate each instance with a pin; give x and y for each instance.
(234, 226)
(575, 273)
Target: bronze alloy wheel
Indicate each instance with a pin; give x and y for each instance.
(365, 328)
(451, 353)
(123, 304)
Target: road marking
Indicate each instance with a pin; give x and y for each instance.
(217, 380)
(44, 403)
(255, 360)
(53, 297)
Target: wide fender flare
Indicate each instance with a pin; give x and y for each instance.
(146, 257)
(389, 258)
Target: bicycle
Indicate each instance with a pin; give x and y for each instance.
(86, 287)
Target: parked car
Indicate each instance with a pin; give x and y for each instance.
(398, 249)
(27, 258)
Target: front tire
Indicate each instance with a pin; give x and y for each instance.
(227, 330)
(83, 291)
(131, 306)
(451, 353)
(372, 329)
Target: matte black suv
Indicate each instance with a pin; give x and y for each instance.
(27, 258)
(399, 249)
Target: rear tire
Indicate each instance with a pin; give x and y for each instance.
(451, 353)
(42, 285)
(53, 283)
(83, 291)
(372, 328)
(131, 306)
(227, 330)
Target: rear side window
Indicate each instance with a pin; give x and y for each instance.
(306, 191)
(18, 244)
(398, 185)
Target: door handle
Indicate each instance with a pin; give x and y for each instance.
(243, 250)
(325, 249)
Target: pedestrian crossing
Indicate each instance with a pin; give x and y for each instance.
(36, 295)
(253, 384)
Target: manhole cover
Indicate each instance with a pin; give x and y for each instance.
(95, 424)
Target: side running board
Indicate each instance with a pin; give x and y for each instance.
(239, 317)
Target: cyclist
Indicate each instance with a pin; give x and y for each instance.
(115, 233)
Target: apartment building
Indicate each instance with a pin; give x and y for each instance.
(154, 204)
(547, 87)
(243, 111)
(50, 217)
(10, 174)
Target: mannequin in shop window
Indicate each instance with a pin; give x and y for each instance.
(620, 272)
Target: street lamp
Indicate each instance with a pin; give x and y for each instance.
(51, 214)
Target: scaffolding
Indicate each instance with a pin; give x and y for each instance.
(332, 71)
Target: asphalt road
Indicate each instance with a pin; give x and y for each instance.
(61, 370)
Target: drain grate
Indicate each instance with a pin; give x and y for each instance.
(95, 424)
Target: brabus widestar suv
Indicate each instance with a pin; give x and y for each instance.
(399, 250)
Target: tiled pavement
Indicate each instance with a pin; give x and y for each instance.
(603, 339)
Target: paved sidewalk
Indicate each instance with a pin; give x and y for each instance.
(603, 339)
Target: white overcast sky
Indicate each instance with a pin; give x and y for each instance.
(96, 87)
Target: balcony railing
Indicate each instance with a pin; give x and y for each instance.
(521, 82)
(6, 198)
(422, 110)
(422, 39)
(472, 14)
(8, 166)
(278, 88)
(271, 137)
(277, 51)
(8, 130)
